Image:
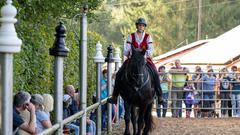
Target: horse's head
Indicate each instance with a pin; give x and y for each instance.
(136, 65)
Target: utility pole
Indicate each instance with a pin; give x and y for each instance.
(199, 19)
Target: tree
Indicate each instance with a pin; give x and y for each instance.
(171, 23)
(33, 66)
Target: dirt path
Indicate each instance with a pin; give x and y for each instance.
(192, 126)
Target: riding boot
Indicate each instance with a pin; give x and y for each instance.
(157, 86)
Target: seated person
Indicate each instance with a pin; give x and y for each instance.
(74, 106)
(43, 119)
(48, 103)
(66, 113)
(21, 102)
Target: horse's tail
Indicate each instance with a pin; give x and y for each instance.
(150, 125)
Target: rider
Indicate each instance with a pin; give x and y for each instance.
(141, 41)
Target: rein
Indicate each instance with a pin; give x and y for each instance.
(135, 87)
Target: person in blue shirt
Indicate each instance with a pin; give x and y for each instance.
(43, 119)
(104, 94)
(209, 82)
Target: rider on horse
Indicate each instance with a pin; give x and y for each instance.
(142, 42)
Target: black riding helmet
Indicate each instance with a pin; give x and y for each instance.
(141, 21)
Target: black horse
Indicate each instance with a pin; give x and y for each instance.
(135, 83)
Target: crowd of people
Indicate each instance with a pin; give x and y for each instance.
(200, 91)
(31, 113)
(104, 94)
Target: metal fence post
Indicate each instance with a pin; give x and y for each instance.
(59, 51)
(83, 69)
(99, 59)
(117, 58)
(117, 61)
(109, 60)
(9, 44)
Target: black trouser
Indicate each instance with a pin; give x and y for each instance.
(154, 73)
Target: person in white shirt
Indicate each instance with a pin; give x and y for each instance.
(141, 41)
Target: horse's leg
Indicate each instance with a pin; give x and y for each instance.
(148, 119)
(141, 113)
(127, 118)
(133, 119)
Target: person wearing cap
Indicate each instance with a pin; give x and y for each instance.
(43, 119)
(67, 100)
(141, 41)
(22, 102)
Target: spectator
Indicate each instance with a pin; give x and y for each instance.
(209, 82)
(104, 94)
(233, 72)
(48, 103)
(232, 75)
(121, 108)
(43, 119)
(66, 113)
(178, 80)
(236, 95)
(164, 81)
(73, 107)
(224, 87)
(189, 97)
(209, 67)
(197, 77)
(20, 103)
(91, 127)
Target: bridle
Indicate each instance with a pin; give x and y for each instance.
(137, 88)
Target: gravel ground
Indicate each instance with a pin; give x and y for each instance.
(191, 126)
